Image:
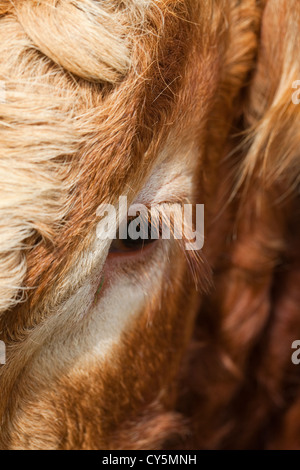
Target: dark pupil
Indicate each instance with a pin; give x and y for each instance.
(144, 231)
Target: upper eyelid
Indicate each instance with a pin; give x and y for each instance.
(175, 199)
(158, 206)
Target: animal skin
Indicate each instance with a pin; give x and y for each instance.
(161, 101)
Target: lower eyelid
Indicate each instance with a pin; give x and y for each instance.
(131, 254)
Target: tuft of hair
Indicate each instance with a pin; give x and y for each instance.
(46, 50)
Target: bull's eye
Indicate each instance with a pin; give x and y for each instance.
(140, 234)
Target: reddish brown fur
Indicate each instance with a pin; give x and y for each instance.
(214, 371)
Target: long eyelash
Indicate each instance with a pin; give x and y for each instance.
(199, 268)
